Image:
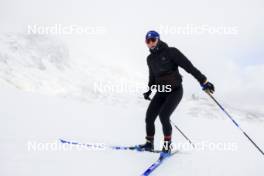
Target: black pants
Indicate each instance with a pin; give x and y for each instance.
(162, 104)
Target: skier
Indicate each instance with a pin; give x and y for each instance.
(163, 62)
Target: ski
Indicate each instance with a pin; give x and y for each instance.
(97, 146)
(135, 148)
(156, 164)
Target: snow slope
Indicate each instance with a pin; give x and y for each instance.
(30, 117)
(42, 63)
(35, 68)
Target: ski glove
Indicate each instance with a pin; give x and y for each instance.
(147, 94)
(207, 86)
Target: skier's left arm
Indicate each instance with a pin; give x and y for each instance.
(186, 64)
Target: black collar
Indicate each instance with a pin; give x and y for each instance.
(161, 46)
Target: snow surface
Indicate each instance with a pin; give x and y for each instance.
(30, 117)
(35, 68)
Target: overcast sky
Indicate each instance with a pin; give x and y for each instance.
(232, 60)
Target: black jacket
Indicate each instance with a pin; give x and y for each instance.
(163, 63)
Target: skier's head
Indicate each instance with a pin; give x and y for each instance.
(152, 38)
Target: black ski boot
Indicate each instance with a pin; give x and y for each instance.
(148, 146)
(166, 147)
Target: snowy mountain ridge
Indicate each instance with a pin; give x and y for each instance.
(42, 64)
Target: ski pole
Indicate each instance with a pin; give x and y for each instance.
(231, 118)
(183, 134)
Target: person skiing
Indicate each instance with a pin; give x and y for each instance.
(163, 62)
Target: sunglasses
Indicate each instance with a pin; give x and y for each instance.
(151, 40)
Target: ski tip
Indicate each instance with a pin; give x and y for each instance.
(62, 141)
